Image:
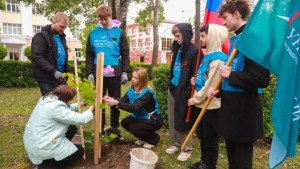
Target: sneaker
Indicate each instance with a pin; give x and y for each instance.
(172, 150)
(77, 133)
(148, 146)
(139, 142)
(198, 165)
(115, 131)
(183, 156)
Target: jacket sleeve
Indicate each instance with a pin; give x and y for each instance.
(253, 76)
(39, 52)
(124, 52)
(90, 57)
(64, 114)
(137, 105)
(213, 76)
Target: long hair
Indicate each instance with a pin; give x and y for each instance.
(143, 78)
(64, 93)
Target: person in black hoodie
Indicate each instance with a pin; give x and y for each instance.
(182, 69)
(240, 118)
(50, 54)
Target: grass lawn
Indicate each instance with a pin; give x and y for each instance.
(16, 104)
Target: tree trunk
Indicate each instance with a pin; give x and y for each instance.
(155, 33)
(115, 7)
(197, 22)
(123, 14)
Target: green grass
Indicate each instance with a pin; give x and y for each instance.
(16, 105)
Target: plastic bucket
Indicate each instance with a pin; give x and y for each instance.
(142, 158)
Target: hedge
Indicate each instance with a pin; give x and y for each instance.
(16, 74)
(161, 76)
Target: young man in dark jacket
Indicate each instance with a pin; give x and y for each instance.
(50, 54)
(107, 37)
(182, 69)
(240, 118)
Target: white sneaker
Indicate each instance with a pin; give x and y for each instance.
(183, 156)
(139, 142)
(148, 146)
(172, 150)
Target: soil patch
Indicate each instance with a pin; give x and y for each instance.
(114, 155)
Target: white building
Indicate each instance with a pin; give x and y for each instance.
(19, 23)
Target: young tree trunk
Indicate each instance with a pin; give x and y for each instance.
(155, 33)
(197, 22)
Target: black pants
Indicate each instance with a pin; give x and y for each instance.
(240, 155)
(113, 86)
(52, 163)
(207, 132)
(144, 129)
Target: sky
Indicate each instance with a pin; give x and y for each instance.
(173, 10)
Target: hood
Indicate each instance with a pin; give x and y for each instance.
(114, 23)
(217, 35)
(187, 35)
(48, 29)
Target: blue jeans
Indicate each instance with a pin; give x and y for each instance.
(46, 87)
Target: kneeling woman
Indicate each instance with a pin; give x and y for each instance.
(140, 100)
(51, 127)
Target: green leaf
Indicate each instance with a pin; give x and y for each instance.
(102, 106)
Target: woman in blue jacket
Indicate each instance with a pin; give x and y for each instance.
(47, 137)
(140, 100)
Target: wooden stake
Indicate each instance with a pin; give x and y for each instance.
(79, 108)
(233, 53)
(98, 101)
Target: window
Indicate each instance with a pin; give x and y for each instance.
(12, 29)
(14, 56)
(12, 6)
(77, 33)
(78, 53)
(133, 43)
(36, 29)
(147, 55)
(166, 43)
(37, 9)
(140, 43)
(148, 42)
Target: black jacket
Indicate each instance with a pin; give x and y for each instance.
(188, 59)
(145, 101)
(44, 56)
(123, 60)
(241, 118)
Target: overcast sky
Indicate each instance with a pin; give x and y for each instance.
(173, 10)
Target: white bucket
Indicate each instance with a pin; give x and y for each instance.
(142, 158)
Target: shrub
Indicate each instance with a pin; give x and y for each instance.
(16, 74)
(27, 52)
(267, 100)
(161, 76)
(3, 52)
(133, 65)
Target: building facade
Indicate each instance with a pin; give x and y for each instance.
(20, 22)
(141, 43)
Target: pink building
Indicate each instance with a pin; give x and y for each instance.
(141, 43)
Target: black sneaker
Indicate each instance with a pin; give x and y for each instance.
(115, 131)
(198, 165)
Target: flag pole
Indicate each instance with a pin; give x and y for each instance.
(79, 108)
(195, 75)
(232, 55)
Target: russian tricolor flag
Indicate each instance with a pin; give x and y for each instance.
(212, 16)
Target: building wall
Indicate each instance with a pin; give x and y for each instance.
(143, 53)
(17, 43)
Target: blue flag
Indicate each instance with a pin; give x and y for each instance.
(272, 39)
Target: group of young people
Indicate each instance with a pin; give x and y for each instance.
(234, 113)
